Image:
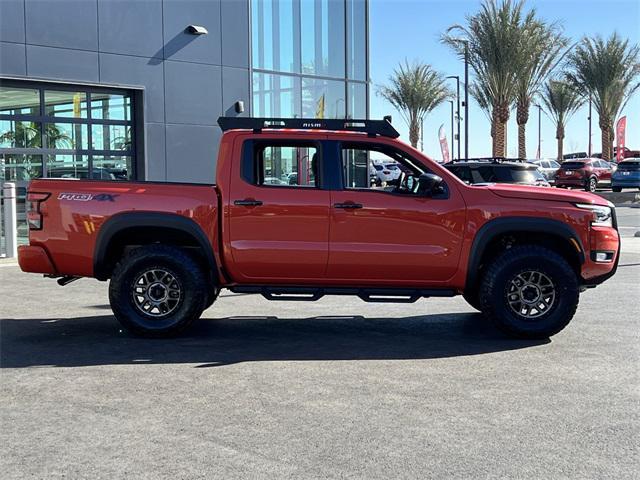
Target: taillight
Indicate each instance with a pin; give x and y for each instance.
(34, 213)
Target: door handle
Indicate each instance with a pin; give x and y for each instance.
(247, 203)
(348, 206)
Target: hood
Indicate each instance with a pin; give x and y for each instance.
(507, 190)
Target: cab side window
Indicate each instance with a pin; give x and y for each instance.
(374, 169)
(287, 166)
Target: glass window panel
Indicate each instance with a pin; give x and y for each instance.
(118, 167)
(274, 44)
(275, 96)
(107, 106)
(377, 170)
(19, 134)
(323, 98)
(285, 166)
(65, 104)
(111, 137)
(357, 100)
(19, 101)
(70, 136)
(17, 168)
(67, 166)
(356, 40)
(322, 37)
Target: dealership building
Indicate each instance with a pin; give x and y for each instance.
(132, 89)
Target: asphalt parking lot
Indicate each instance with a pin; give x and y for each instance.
(333, 389)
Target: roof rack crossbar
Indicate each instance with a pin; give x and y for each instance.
(371, 127)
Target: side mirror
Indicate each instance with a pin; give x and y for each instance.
(430, 184)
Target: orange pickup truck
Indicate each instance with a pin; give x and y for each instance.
(294, 215)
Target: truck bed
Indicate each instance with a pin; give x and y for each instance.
(76, 210)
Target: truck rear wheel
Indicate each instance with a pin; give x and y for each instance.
(529, 292)
(157, 291)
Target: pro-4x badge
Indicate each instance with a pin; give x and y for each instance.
(85, 197)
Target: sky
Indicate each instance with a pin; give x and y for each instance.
(410, 29)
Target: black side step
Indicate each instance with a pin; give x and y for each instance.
(311, 294)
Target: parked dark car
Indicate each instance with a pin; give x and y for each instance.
(497, 170)
(627, 175)
(587, 173)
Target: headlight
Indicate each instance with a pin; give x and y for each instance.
(602, 216)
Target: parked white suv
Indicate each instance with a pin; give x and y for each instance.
(548, 167)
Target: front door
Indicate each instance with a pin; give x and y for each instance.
(387, 236)
(279, 214)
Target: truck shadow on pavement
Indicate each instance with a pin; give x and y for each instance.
(98, 340)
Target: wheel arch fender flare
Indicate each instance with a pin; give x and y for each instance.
(123, 221)
(499, 226)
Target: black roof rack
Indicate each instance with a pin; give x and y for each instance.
(370, 127)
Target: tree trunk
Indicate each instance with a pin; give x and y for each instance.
(500, 118)
(560, 137)
(606, 140)
(414, 133)
(522, 146)
(522, 117)
(498, 140)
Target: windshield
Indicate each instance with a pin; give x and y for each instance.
(508, 175)
(572, 165)
(629, 166)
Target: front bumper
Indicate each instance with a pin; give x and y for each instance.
(603, 240)
(35, 259)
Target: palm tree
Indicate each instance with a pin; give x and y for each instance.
(541, 47)
(560, 100)
(484, 101)
(415, 90)
(608, 71)
(493, 36)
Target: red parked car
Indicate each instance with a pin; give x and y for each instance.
(587, 173)
(520, 254)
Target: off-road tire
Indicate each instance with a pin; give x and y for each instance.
(518, 260)
(211, 296)
(473, 300)
(181, 266)
(616, 189)
(591, 184)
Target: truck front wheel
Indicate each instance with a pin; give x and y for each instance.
(529, 292)
(157, 291)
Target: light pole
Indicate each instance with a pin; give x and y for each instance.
(589, 126)
(539, 130)
(466, 99)
(457, 136)
(452, 135)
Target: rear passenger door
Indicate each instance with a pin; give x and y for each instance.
(278, 213)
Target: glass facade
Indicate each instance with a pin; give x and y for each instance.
(63, 131)
(309, 58)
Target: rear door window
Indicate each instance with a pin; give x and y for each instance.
(287, 165)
